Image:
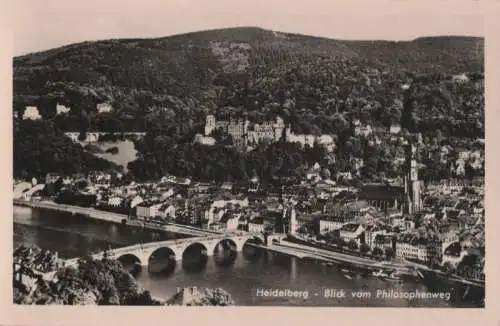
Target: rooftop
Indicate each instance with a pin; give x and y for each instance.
(381, 192)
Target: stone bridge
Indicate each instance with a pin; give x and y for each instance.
(206, 245)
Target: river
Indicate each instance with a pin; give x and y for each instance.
(244, 279)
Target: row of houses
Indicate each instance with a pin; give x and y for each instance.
(33, 113)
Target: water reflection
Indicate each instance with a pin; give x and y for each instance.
(238, 273)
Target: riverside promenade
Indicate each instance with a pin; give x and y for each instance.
(96, 214)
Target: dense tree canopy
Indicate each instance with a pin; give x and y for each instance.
(167, 86)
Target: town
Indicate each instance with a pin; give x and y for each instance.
(437, 224)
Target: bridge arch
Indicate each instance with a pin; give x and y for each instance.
(194, 257)
(250, 248)
(131, 263)
(225, 252)
(162, 261)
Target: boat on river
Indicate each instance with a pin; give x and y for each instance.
(387, 276)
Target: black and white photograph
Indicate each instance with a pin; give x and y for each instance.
(302, 157)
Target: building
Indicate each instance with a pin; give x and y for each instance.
(395, 129)
(352, 231)
(383, 241)
(261, 224)
(104, 108)
(243, 133)
(256, 225)
(363, 130)
(167, 211)
(52, 178)
(136, 200)
(62, 109)
(148, 209)
(453, 254)
(460, 78)
(204, 140)
(382, 196)
(290, 215)
(412, 185)
(31, 113)
(73, 136)
(115, 201)
(247, 134)
(410, 247)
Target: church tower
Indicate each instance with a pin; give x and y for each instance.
(293, 220)
(289, 215)
(412, 184)
(209, 125)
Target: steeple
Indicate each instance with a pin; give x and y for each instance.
(412, 183)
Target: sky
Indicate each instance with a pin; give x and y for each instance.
(44, 24)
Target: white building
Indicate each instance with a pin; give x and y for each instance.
(62, 109)
(149, 210)
(115, 201)
(104, 107)
(136, 201)
(363, 130)
(254, 227)
(204, 140)
(327, 225)
(395, 129)
(167, 211)
(413, 249)
(351, 231)
(31, 113)
(73, 136)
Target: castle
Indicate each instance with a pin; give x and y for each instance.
(245, 134)
(248, 135)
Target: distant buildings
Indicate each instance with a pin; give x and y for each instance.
(382, 196)
(395, 129)
(94, 136)
(61, 109)
(248, 135)
(461, 78)
(31, 113)
(352, 231)
(104, 108)
(362, 129)
(412, 247)
(243, 133)
(148, 209)
(204, 140)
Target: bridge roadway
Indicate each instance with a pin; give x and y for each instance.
(302, 251)
(115, 217)
(207, 244)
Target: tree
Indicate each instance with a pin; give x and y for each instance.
(352, 244)
(389, 253)
(378, 252)
(82, 136)
(449, 268)
(364, 248)
(435, 262)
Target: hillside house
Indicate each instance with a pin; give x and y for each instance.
(104, 108)
(31, 113)
(62, 109)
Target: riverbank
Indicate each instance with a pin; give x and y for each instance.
(407, 267)
(92, 213)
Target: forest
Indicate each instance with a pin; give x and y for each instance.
(167, 86)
